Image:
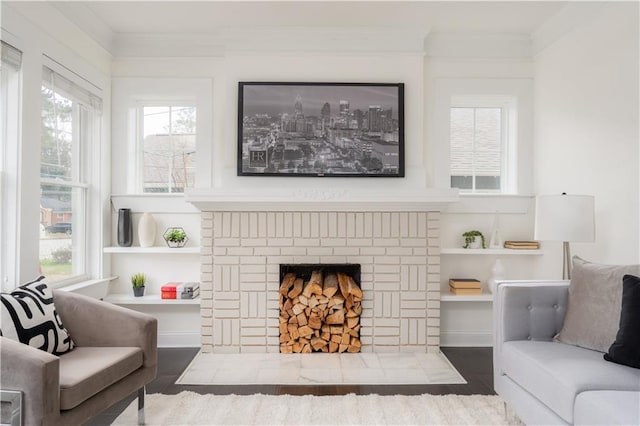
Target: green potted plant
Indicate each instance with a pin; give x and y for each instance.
(471, 240)
(137, 282)
(175, 237)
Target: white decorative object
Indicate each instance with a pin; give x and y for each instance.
(496, 240)
(147, 230)
(497, 274)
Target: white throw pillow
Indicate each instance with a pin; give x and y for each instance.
(29, 316)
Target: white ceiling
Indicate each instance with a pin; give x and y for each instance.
(104, 20)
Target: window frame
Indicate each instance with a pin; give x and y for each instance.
(139, 140)
(87, 144)
(508, 139)
(10, 128)
(127, 93)
(438, 133)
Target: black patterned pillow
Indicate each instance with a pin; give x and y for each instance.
(29, 316)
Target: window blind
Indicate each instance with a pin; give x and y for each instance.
(11, 56)
(60, 84)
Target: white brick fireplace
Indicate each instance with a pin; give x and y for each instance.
(396, 242)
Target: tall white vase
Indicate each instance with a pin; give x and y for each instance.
(147, 230)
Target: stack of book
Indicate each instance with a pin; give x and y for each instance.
(180, 290)
(189, 290)
(464, 286)
(169, 290)
(522, 245)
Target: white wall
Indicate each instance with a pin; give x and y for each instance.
(586, 129)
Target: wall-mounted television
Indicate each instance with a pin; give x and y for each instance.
(321, 129)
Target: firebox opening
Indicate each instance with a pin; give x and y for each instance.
(320, 308)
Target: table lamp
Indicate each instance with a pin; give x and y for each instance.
(566, 218)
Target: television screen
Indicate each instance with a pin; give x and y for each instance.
(321, 129)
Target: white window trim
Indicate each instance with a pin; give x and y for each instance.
(89, 165)
(10, 182)
(445, 89)
(508, 138)
(87, 59)
(128, 93)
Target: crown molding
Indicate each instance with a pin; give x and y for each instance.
(278, 40)
(167, 45)
(487, 46)
(573, 15)
(84, 18)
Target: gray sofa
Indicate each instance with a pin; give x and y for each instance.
(546, 382)
(115, 356)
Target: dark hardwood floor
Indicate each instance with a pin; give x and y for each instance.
(475, 365)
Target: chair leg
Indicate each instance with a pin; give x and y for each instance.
(141, 392)
(509, 414)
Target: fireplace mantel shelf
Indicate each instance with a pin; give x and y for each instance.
(317, 200)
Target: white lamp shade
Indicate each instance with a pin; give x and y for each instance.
(565, 218)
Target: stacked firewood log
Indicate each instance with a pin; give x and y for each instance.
(321, 314)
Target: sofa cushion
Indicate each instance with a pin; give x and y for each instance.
(626, 349)
(86, 371)
(28, 315)
(556, 373)
(593, 311)
(607, 408)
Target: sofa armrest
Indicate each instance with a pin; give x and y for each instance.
(34, 372)
(529, 310)
(92, 322)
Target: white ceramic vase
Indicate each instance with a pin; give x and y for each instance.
(476, 243)
(147, 230)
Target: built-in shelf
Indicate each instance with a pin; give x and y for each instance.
(491, 252)
(150, 299)
(153, 250)
(485, 297)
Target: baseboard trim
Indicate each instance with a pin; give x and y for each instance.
(178, 340)
(466, 338)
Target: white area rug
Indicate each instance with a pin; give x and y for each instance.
(188, 408)
(320, 369)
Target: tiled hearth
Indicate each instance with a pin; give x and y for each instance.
(320, 368)
(242, 252)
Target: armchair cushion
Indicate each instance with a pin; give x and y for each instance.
(86, 371)
(557, 373)
(29, 316)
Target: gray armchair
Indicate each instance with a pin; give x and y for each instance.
(115, 356)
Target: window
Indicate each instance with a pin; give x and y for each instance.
(167, 143)
(10, 66)
(70, 126)
(480, 141)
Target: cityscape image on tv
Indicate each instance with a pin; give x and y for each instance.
(321, 130)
